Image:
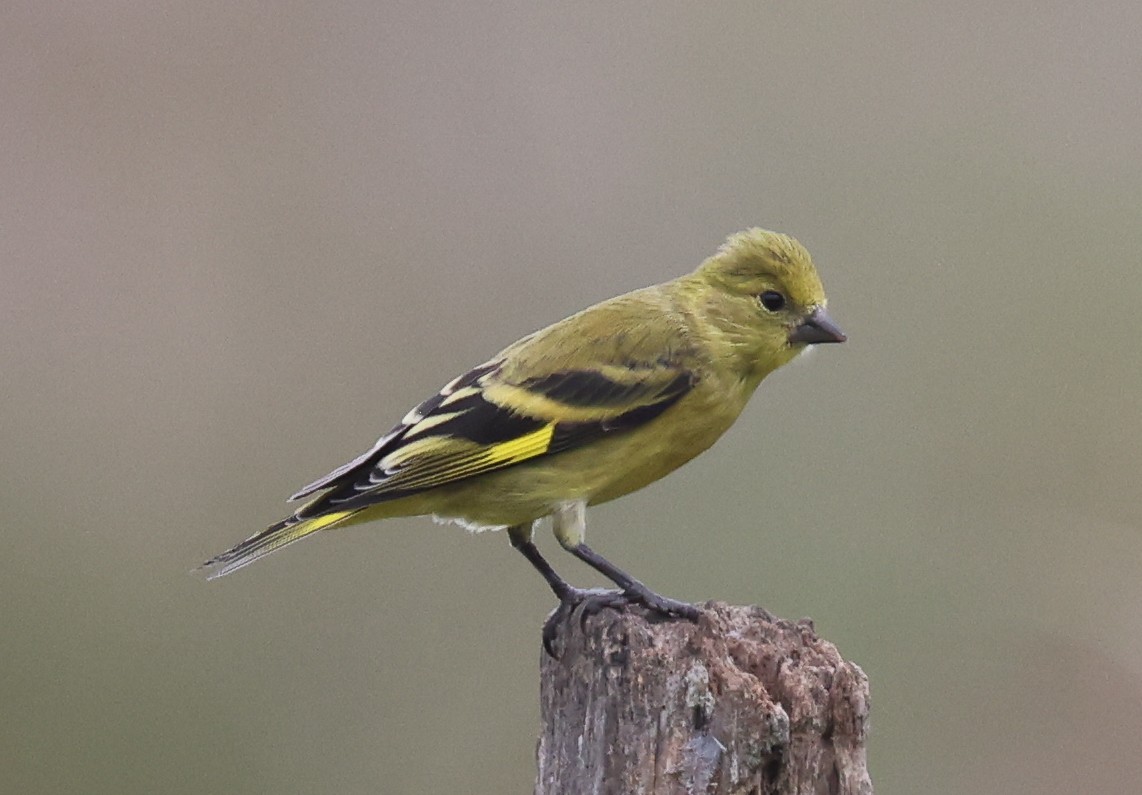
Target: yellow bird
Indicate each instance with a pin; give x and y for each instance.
(586, 410)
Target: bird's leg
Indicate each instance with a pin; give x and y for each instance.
(570, 525)
(520, 536)
(568, 595)
(631, 587)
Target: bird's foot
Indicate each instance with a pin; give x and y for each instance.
(590, 601)
(587, 601)
(672, 608)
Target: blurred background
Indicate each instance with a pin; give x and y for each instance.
(239, 240)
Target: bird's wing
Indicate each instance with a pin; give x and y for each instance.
(601, 372)
(535, 399)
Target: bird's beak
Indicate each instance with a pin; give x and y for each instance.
(817, 327)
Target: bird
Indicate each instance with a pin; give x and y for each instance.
(584, 411)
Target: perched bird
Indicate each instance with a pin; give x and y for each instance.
(586, 410)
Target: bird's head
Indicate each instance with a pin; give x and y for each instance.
(765, 297)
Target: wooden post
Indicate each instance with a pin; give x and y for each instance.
(738, 703)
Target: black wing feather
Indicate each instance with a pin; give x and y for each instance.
(486, 424)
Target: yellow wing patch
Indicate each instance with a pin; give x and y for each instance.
(425, 467)
(322, 522)
(532, 444)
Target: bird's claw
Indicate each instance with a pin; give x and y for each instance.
(591, 601)
(667, 606)
(588, 602)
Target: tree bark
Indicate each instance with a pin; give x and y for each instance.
(738, 702)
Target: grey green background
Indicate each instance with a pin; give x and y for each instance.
(239, 240)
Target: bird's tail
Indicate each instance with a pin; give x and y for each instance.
(270, 540)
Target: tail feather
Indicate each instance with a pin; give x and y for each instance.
(269, 540)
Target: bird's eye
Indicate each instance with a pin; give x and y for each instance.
(772, 300)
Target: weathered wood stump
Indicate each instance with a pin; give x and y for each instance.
(739, 702)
